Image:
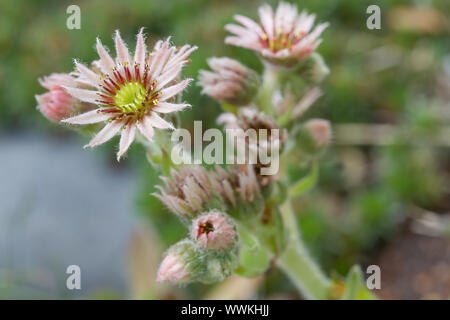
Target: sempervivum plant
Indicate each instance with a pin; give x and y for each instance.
(238, 217)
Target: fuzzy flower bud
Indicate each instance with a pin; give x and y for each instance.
(213, 230)
(57, 104)
(270, 143)
(314, 136)
(230, 81)
(174, 267)
(186, 262)
(187, 191)
(237, 186)
(320, 131)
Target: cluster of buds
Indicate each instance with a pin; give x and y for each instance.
(201, 197)
(239, 189)
(230, 81)
(212, 251)
(267, 142)
(193, 189)
(57, 104)
(131, 94)
(208, 256)
(187, 191)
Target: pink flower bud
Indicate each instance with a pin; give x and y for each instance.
(56, 104)
(173, 268)
(214, 231)
(320, 132)
(230, 81)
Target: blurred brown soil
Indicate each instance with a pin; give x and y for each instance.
(414, 266)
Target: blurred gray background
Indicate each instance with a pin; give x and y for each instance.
(51, 218)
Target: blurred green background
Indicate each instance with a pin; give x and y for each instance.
(398, 75)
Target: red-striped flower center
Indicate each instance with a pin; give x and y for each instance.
(281, 40)
(128, 94)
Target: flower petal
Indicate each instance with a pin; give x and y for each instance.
(123, 56)
(160, 59)
(106, 133)
(181, 55)
(126, 138)
(158, 122)
(266, 16)
(310, 39)
(93, 116)
(146, 129)
(88, 74)
(239, 42)
(157, 57)
(141, 50)
(241, 32)
(168, 76)
(166, 107)
(173, 90)
(83, 94)
(285, 17)
(249, 23)
(106, 62)
(304, 22)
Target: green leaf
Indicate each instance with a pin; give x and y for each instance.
(355, 286)
(306, 183)
(254, 259)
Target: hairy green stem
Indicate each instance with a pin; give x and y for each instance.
(269, 84)
(296, 262)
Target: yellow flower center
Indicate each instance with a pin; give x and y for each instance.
(131, 97)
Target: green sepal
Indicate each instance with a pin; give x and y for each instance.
(305, 183)
(253, 258)
(214, 266)
(247, 210)
(207, 266)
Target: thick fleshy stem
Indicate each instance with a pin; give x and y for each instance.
(296, 262)
(269, 84)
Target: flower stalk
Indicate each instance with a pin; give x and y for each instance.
(268, 87)
(297, 263)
